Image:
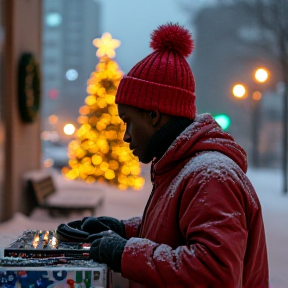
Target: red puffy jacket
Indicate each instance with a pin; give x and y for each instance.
(202, 226)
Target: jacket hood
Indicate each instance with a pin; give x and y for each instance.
(204, 134)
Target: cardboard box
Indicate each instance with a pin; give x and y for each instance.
(24, 273)
(38, 259)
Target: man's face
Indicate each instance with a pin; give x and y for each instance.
(139, 128)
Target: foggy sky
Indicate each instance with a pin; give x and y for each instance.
(132, 21)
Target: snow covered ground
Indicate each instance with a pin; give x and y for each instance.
(268, 184)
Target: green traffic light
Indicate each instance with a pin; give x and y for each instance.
(223, 120)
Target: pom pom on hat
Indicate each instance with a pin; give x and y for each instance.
(172, 37)
(163, 80)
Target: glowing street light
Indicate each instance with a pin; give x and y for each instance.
(256, 96)
(69, 129)
(239, 91)
(261, 75)
(53, 119)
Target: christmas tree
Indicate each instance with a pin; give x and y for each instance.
(99, 153)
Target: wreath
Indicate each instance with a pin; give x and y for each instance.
(29, 88)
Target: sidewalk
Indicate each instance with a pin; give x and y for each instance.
(131, 203)
(268, 185)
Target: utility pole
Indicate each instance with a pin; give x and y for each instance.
(285, 138)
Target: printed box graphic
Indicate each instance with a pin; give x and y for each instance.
(39, 259)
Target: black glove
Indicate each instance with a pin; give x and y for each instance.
(107, 247)
(94, 225)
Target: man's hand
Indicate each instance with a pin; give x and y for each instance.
(94, 225)
(107, 247)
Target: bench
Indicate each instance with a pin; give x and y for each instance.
(41, 187)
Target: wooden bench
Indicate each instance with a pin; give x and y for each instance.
(41, 186)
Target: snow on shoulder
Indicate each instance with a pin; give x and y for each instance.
(212, 165)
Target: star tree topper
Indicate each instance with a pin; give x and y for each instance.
(106, 45)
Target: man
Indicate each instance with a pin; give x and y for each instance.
(202, 225)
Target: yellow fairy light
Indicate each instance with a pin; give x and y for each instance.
(109, 174)
(101, 103)
(65, 170)
(106, 45)
(122, 187)
(82, 174)
(104, 149)
(101, 142)
(114, 165)
(115, 120)
(85, 128)
(82, 119)
(90, 100)
(98, 172)
(110, 99)
(96, 159)
(130, 181)
(113, 111)
(139, 182)
(92, 135)
(80, 153)
(94, 149)
(86, 160)
(122, 178)
(85, 145)
(100, 126)
(90, 179)
(84, 110)
(104, 166)
(101, 92)
(88, 169)
(73, 163)
(72, 174)
(111, 135)
(91, 89)
(93, 120)
(135, 170)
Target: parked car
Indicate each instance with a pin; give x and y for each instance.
(54, 154)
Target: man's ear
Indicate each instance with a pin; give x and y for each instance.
(155, 117)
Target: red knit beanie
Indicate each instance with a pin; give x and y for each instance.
(163, 80)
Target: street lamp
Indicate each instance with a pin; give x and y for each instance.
(239, 91)
(261, 75)
(69, 129)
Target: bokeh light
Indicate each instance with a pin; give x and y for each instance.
(71, 75)
(261, 75)
(53, 19)
(69, 129)
(239, 91)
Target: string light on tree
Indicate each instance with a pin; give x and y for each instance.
(99, 153)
